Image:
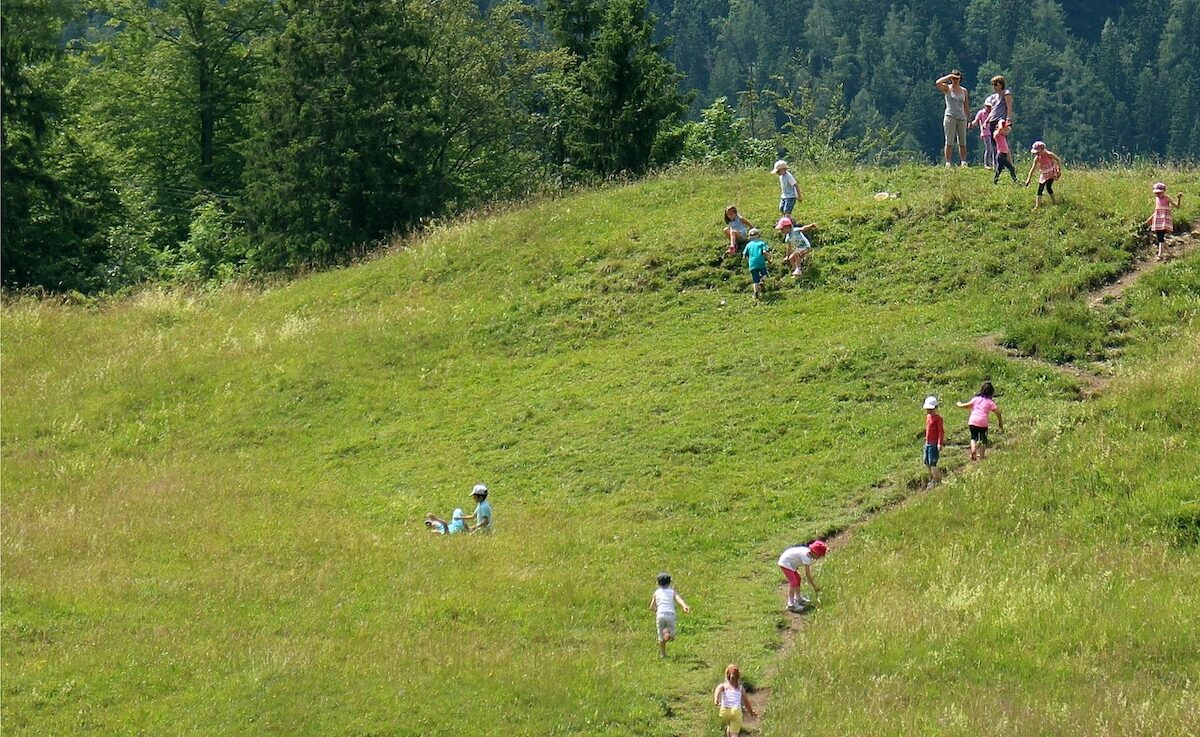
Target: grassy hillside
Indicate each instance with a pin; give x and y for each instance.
(212, 502)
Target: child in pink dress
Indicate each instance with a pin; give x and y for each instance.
(1161, 222)
(1050, 169)
(1003, 161)
(981, 405)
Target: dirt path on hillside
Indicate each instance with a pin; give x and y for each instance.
(1092, 384)
(1175, 247)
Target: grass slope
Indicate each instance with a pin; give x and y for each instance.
(212, 502)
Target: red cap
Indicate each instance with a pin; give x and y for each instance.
(818, 549)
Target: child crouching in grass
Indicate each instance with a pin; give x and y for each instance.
(798, 246)
(730, 699)
(981, 405)
(662, 603)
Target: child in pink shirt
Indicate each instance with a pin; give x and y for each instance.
(1161, 223)
(985, 134)
(1003, 161)
(1050, 169)
(981, 405)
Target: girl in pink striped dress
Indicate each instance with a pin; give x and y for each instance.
(1049, 167)
(1161, 222)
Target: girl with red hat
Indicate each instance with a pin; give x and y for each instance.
(790, 562)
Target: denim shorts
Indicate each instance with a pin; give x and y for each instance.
(758, 275)
(786, 204)
(932, 454)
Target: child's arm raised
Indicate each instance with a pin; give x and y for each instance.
(686, 609)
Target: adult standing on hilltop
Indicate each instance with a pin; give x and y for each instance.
(958, 113)
(1003, 107)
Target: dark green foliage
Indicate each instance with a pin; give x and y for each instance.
(341, 132)
(56, 199)
(630, 92)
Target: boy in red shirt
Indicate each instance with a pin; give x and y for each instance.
(935, 438)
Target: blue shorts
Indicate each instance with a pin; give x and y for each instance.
(932, 454)
(786, 204)
(758, 275)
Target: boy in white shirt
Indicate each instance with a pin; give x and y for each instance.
(662, 603)
(789, 191)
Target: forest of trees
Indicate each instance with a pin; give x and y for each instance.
(203, 139)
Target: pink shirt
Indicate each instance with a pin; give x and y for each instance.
(1162, 219)
(1001, 141)
(981, 121)
(980, 407)
(1047, 166)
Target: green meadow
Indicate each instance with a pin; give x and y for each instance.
(213, 500)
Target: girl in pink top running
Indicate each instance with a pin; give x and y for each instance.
(1003, 159)
(1050, 169)
(1161, 222)
(981, 405)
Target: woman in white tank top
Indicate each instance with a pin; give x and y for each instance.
(730, 699)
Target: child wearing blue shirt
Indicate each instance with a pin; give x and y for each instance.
(482, 515)
(756, 258)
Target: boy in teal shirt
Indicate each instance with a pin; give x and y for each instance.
(482, 516)
(756, 257)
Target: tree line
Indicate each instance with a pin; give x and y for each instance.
(201, 139)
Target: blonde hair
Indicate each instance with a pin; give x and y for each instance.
(999, 79)
(733, 675)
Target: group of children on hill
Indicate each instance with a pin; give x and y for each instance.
(796, 561)
(730, 695)
(746, 239)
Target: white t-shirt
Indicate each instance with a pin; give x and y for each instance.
(794, 558)
(665, 598)
(787, 185)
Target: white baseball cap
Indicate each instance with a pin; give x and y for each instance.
(931, 402)
(781, 164)
(479, 490)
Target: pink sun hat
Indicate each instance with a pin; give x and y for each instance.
(1159, 187)
(784, 222)
(1038, 146)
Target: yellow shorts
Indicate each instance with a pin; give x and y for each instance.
(731, 718)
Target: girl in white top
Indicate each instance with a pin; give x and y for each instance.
(790, 562)
(663, 606)
(730, 698)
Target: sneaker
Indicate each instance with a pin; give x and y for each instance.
(963, 164)
(947, 164)
(796, 272)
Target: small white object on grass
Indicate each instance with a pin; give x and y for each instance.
(881, 196)
(722, 303)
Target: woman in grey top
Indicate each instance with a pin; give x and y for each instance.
(958, 112)
(1003, 109)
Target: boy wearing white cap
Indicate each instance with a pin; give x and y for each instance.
(935, 438)
(789, 191)
(482, 516)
